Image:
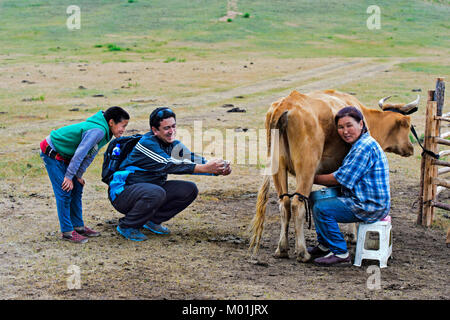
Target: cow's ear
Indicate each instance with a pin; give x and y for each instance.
(403, 122)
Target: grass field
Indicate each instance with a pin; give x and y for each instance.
(159, 30)
(178, 53)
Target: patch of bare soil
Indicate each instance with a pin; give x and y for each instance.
(418, 270)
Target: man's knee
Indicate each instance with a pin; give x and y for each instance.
(186, 190)
(194, 190)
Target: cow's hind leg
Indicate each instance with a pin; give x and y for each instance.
(280, 182)
(283, 244)
(305, 169)
(299, 212)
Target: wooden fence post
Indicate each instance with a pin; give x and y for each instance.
(428, 189)
(429, 172)
(439, 94)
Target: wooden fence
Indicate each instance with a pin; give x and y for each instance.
(431, 180)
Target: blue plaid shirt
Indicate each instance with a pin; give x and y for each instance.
(364, 175)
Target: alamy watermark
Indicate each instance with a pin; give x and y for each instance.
(241, 147)
(73, 22)
(74, 280)
(374, 280)
(374, 20)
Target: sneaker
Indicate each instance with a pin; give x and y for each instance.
(131, 234)
(75, 237)
(156, 228)
(332, 259)
(88, 232)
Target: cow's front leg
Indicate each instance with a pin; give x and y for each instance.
(353, 233)
(283, 244)
(350, 231)
(299, 211)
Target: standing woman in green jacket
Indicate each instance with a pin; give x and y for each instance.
(66, 153)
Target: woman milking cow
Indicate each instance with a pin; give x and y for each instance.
(364, 177)
(323, 139)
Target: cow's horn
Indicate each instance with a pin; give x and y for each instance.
(381, 102)
(411, 105)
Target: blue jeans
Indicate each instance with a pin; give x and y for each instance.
(327, 213)
(68, 203)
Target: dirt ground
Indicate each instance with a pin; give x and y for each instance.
(206, 255)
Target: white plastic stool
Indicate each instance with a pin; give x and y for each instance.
(384, 229)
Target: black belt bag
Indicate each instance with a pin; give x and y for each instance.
(50, 152)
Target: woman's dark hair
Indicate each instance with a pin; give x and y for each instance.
(117, 114)
(353, 112)
(159, 114)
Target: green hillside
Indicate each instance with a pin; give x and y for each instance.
(135, 30)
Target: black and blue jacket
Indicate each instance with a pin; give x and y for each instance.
(151, 161)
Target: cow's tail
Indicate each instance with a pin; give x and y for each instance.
(257, 224)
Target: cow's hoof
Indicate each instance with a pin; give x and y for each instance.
(281, 254)
(303, 257)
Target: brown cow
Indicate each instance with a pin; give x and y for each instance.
(309, 144)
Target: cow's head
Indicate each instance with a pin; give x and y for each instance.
(397, 123)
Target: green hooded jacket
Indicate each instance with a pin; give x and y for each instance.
(66, 139)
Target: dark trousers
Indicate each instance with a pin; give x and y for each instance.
(143, 202)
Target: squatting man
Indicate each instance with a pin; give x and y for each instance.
(139, 188)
